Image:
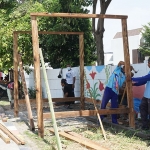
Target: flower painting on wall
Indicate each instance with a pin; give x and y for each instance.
(94, 91)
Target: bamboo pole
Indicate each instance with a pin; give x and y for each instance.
(32, 127)
(100, 121)
(50, 102)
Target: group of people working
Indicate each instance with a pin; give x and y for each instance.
(116, 81)
(112, 90)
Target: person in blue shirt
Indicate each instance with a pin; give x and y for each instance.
(111, 92)
(145, 103)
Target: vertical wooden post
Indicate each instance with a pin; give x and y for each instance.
(15, 63)
(128, 72)
(36, 57)
(32, 127)
(81, 52)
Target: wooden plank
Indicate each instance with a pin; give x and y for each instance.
(66, 99)
(4, 137)
(32, 127)
(128, 73)
(83, 141)
(81, 53)
(65, 114)
(12, 136)
(81, 137)
(36, 58)
(48, 32)
(78, 15)
(15, 64)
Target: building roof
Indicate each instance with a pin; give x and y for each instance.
(130, 33)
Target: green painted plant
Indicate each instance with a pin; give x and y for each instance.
(94, 92)
(107, 72)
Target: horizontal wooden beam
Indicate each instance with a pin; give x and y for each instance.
(80, 113)
(67, 99)
(50, 32)
(77, 15)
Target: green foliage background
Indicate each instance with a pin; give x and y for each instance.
(59, 50)
(145, 47)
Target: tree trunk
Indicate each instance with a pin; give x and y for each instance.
(99, 32)
(98, 35)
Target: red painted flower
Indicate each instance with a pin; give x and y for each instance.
(101, 86)
(87, 85)
(92, 75)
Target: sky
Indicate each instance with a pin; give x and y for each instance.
(138, 12)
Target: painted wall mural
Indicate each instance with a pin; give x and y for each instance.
(97, 78)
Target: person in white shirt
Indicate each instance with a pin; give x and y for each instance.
(70, 78)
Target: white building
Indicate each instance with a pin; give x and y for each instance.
(134, 39)
(108, 57)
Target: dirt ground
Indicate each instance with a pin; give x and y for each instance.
(117, 139)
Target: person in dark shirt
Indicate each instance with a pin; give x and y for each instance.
(67, 90)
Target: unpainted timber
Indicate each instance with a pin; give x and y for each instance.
(49, 32)
(67, 99)
(88, 143)
(77, 15)
(4, 137)
(12, 136)
(82, 113)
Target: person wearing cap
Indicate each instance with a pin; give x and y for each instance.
(145, 103)
(70, 78)
(111, 91)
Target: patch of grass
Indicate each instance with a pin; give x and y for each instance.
(43, 144)
(4, 102)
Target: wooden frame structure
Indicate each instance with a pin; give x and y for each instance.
(35, 41)
(39, 101)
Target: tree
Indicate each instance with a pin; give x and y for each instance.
(145, 45)
(16, 18)
(99, 31)
(57, 49)
(64, 49)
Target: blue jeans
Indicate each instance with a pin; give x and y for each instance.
(109, 94)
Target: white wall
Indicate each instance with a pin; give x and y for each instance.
(117, 47)
(97, 77)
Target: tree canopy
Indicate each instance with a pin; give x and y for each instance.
(145, 45)
(57, 49)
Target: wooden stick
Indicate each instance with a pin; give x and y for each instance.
(4, 137)
(32, 127)
(123, 95)
(100, 121)
(12, 136)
